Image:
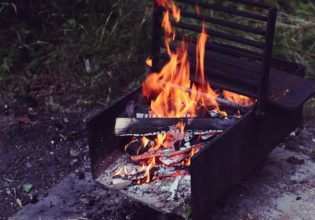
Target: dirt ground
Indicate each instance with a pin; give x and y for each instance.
(277, 189)
(38, 147)
(45, 174)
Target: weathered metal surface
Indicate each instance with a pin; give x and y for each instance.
(289, 91)
(214, 171)
(231, 156)
(101, 139)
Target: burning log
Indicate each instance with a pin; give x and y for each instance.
(221, 101)
(154, 126)
(167, 152)
(227, 103)
(174, 160)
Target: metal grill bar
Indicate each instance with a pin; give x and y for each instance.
(253, 3)
(234, 51)
(218, 7)
(242, 67)
(224, 49)
(222, 35)
(231, 79)
(223, 23)
(226, 73)
(272, 15)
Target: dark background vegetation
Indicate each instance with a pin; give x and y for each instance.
(45, 43)
(61, 59)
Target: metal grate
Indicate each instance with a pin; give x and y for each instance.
(239, 50)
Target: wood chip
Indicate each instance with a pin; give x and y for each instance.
(19, 202)
(120, 183)
(173, 188)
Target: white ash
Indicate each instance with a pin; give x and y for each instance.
(214, 113)
(157, 194)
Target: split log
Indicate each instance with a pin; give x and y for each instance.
(233, 105)
(167, 152)
(154, 126)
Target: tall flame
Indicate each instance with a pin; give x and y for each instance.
(173, 94)
(167, 100)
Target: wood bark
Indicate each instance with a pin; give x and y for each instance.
(153, 126)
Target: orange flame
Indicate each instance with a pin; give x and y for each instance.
(170, 5)
(187, 162)
(169, 32)
(169, 101)
(148, 169)
(239, 99)
(149, 61)
(166, 99)
(173, 94)
(181, 127)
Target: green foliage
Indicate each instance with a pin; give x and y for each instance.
(98, 48)
(43, 38)
(295, 35)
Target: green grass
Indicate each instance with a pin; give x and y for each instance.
(295, 36)
(114, 35)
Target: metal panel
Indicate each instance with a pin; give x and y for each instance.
(101, 139)
(216, 168)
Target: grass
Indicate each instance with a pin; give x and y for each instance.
(295, 36)
(96, 50)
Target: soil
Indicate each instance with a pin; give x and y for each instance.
(39, 145)
(276, 189)
(43, 146)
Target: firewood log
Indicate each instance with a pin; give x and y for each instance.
(153, 126)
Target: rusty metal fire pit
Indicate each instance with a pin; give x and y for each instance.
(232, 61)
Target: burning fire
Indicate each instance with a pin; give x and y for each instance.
(166, 140)
(239, 99)
(162, 141)
(173, 95)
(171, 91)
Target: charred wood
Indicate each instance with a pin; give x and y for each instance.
(154, 126)
(167, 152)
(223, 102)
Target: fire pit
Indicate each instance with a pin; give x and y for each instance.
(214, 104)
